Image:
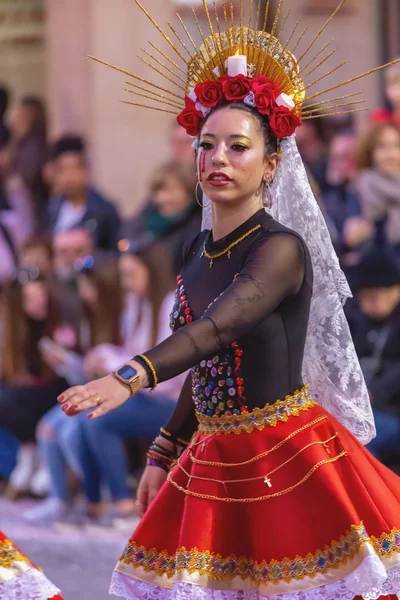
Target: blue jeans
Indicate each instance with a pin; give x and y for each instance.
(9, 445)
(139, 418)
(95, 449)
(60, 438)
(387, 434)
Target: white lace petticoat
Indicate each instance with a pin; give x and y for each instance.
(370, 581)
(31, 585)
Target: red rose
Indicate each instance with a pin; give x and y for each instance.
(259, 80)
(265, 96)
(190, 118)
(283, 122)
(209, 93)
(235, 88)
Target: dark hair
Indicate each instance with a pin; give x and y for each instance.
(270, 142)
(4, 99)
(104, 318)
(18, 330)
(66, 144)
(367, 143)
(173, 168)
(5, 136)
(38, 125)
(157, 259)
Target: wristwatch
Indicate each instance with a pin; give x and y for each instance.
(127, 375)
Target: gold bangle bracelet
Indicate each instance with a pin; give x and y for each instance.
(152, 369)
(167, 433)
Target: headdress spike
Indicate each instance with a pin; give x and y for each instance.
(153, 99)
(172, 62)
(326, 75)
(178, 85)
(172, 112)
(370, 72)
(325, 25)
(107, 64)
(161, 31)
(159, 62)
(327, 57)
(342, 112)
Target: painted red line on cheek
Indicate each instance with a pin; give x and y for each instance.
(202, 164)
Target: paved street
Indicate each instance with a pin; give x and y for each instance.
(77, 561)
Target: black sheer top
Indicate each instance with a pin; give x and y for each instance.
(240, 325)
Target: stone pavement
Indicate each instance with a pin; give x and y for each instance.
(79, 562)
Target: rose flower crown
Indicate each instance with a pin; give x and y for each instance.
(238, 63)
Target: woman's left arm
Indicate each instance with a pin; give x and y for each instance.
(273, 271)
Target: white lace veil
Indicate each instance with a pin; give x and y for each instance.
(330, 367)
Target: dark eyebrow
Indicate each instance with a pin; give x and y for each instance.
(236, 135)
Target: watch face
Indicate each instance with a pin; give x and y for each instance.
(127, 372)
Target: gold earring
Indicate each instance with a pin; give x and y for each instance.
(197, 197)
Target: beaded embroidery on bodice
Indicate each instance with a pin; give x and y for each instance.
(217, 382)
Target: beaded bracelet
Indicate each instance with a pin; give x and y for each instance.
(153, 462)
(152, 369)
(166, 435)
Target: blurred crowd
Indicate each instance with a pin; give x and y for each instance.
(82, 290)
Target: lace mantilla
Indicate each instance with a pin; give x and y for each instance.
(330, 366)
(369, 580)
(31, 585)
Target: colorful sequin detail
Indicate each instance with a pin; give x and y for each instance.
(9, 554)
(258, 418)
(218, 567)
(181, 312)
(217, 383)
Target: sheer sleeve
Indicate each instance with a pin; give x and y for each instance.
(273, 270)
(183, 422)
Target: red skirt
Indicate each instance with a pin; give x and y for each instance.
(282, 502)
(20, 578)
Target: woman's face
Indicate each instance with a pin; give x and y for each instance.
(172, 198)
(134, 275)
(386, 153)
(231, 161)
(87, 290)
(35, 300)
(21, 120)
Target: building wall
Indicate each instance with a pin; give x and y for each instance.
(22, 47)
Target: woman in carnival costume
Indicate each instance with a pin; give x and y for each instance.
(20, 579)
(266, 487)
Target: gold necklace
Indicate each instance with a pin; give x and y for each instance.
(227, 250)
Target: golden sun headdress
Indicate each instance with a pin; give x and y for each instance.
(241, 62)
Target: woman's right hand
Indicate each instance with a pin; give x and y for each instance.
(152, 481)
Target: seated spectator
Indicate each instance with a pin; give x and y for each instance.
(99, 323)
(378, 184)
(340, 199)
(313, 150)
(77, 204)
(96, 448)
(37, 253)
(391, 112)
(181, 149)
(16, 212)
(28, 124)
(376, 333)
(69, 247)
(173, 215)
(28, 387)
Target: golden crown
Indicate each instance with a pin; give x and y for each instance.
(259, 52)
